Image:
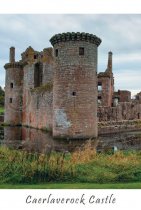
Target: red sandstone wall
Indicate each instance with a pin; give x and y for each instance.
(124, 96)
(13, 110)
(123, 111)
(107, 91)
(39, 111)
(75, 116)
(37, 102)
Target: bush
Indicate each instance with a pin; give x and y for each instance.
(1, 97)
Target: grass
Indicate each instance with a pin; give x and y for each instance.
(47, 87)
(82, 169)
(1, 110)
(136, 185)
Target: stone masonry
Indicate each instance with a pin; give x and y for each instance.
(59, 90)
(57, 87)
(75, 85)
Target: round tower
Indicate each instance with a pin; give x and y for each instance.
(75, 85)
(13, 90)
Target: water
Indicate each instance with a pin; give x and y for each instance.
(34, 140)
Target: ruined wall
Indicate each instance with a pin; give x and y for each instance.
(123, 111)
(37, 102)
(64, 99)
(75, 85)
(39, 111)
(138, 97)
(112, 127)
(106, 84)
(106, 92)
(124, 95)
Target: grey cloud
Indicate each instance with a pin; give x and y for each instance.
(119, 33)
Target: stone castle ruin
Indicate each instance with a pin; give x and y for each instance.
(59, 89)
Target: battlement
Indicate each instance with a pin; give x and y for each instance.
(31, 56)
(59, 89)
(65, 37)
(13, 65)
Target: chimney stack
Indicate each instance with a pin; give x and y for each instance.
(109, 66)
(12, 55)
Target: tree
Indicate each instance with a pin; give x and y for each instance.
(1, 97)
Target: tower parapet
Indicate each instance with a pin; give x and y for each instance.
(75, 85)
(65, 37)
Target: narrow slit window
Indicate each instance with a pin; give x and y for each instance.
(74, 93)
(37, 105)
(81, 50)
(56, 52)
(10, 100)
(11, 85)
(21, 103)
(38, 74)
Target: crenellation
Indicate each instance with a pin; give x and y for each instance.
(65, 37)
(59, 89)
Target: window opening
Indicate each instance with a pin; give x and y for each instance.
(56, 52)
(99, 86)
(99, 100)
(81, 50)
(11, 85)
(38, 74)
(74, 93)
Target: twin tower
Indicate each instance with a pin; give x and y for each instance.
(74, 104)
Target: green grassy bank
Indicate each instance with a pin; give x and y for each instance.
(81, 169)
(136, 185)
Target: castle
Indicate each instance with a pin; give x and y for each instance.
(59, 89)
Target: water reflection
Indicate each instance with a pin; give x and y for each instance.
(34, 140)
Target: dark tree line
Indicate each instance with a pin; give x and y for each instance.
(1, 97)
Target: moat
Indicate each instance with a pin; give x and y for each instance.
(34, 140)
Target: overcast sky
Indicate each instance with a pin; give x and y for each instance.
(120, 34)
